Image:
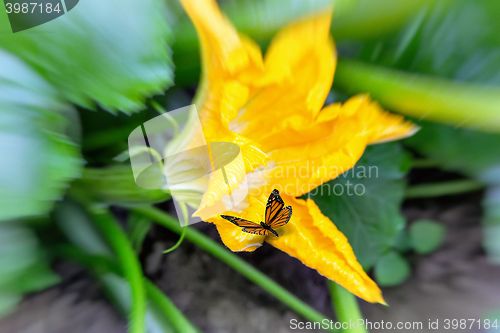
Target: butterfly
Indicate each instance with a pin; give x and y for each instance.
(276, 216)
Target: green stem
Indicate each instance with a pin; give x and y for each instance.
(117, 239)
(443, 189)
(346, 308)
(422, 96)
(179, 242)
(176, 318)
(245, 269)
(115, 184)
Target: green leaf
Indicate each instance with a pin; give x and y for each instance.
(371, 217)
(426, 235)
(24, 266)
(38, 159)
(403, 242)
(113, 52)
(391, 270)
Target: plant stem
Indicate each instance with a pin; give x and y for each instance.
(178, 243)
(245, 269)
(346, 308)
(423, 96)
(176, 317)
(443, 189)
(115, 184)
(117, 239)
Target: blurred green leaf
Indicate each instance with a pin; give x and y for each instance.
(460, 43)
(364, 19)
(38, 159)
(8, 302)
(113, 52)
(403, 242)
(261, 19)
(454, 39)
(391, 270)
(137, 230)
(467, 151)
(443, 66)
(23, 266)
(448, 42)
(426, 235)
(371, 221)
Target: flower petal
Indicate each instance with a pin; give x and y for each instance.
(313, 239)
(232, 69)
(222, 48)
(232, 236)
(375, 123)
(299, 67)
(305, 50)
(232, 66)
(304, 158)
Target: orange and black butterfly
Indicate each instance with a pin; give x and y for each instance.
(276, 216)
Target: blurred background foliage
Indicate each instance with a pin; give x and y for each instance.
(73, 89)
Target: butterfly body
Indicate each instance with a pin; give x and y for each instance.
(276, 216)
(271, 230)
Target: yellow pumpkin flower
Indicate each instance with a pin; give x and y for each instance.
(272, 108)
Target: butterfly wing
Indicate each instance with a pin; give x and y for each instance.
(247, 226)
(274, 206)
(257, 231)
(281, 218)
(240, 222)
